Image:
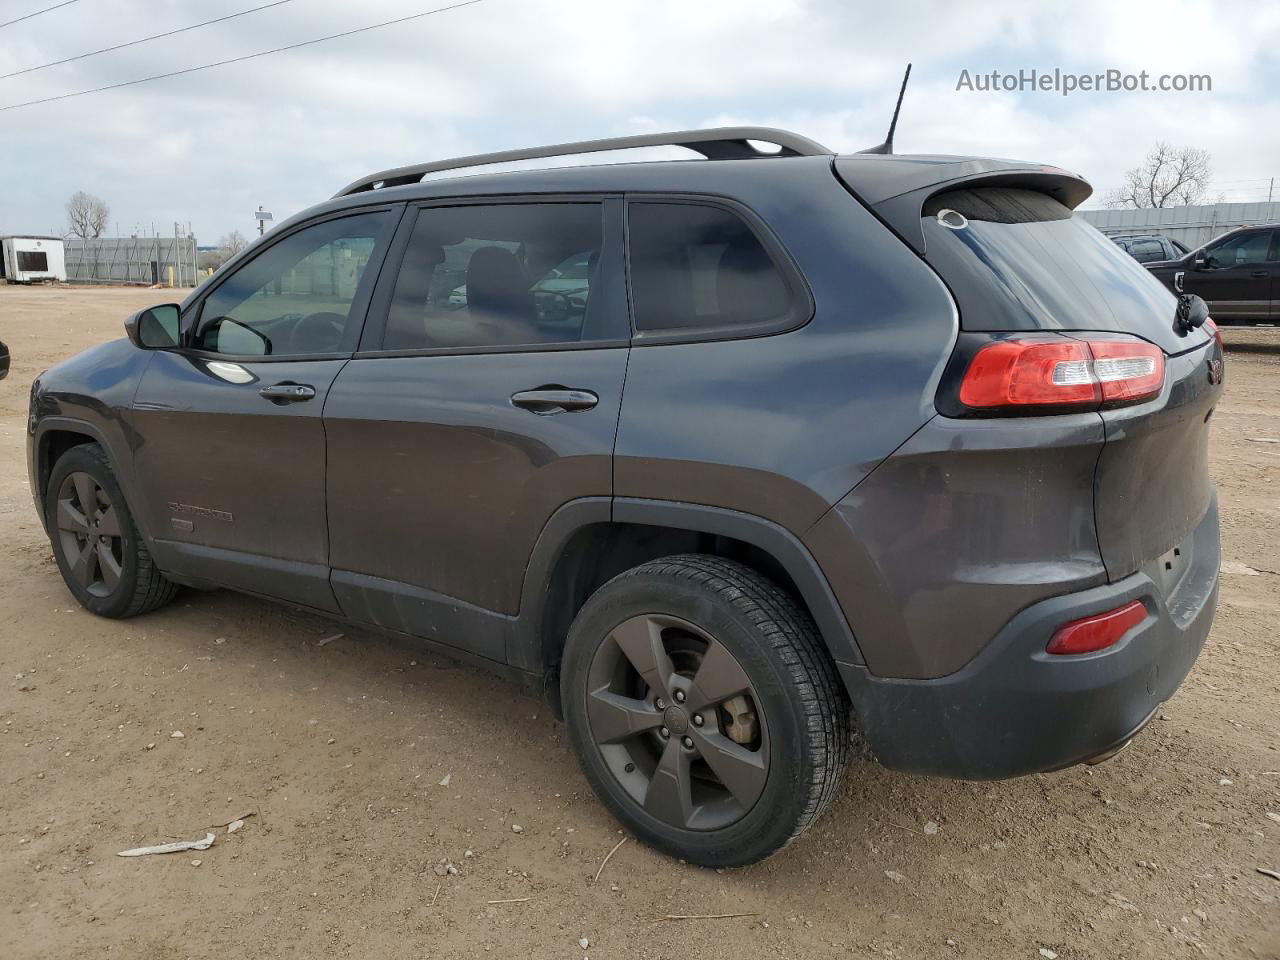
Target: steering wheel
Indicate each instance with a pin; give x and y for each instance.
(318, 333)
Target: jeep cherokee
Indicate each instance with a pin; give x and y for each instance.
(817, 446)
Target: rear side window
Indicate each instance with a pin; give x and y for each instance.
(697, 267)
(500, 275)
(1145, 251)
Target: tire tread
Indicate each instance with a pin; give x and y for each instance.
(151, 588)
(789, 630)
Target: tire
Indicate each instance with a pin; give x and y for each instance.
(103, 559)
(713, 781)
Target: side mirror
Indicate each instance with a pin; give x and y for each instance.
(155, 328)
(1202, 261)
(4, 361)
(1192, 313)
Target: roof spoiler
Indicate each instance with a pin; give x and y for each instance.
(896, 187)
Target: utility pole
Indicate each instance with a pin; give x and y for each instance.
(1271, 189)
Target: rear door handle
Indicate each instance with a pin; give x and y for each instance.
(1260, 274)
(288, 392)
(554, 399)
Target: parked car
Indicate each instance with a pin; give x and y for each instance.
(1237, 274)
(1149, 247)
(836, 444)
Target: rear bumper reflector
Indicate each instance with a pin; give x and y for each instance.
(1098, 632)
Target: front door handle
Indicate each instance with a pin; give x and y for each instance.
(288, 392)
(1260, 274)
(554, 399)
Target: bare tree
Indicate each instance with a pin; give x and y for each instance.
(87, 215)
(231, 244)
(1168, 177)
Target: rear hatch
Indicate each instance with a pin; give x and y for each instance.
(1020, 264)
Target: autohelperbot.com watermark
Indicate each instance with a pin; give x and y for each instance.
(1065, 82)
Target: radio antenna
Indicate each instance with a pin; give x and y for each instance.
(887, 146)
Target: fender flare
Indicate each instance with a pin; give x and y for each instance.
(525, 645)
(124, 476)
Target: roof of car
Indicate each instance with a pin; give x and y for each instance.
(715, 143)
(875, 176)
(724, 177)
(733, 165)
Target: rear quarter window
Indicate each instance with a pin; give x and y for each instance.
(698, 269)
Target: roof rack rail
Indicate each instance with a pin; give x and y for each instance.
(719, 143)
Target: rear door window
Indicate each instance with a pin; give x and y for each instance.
(697, 268)
(501, 275)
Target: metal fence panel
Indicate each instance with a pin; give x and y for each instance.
(1191, 226)
(167, 261)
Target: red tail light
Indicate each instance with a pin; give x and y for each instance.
(1127, 370)
(1061, 372)
(1097, 632)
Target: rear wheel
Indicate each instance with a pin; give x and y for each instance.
(103, 560)
(703, 708)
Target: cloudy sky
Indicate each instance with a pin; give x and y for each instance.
(290, 129)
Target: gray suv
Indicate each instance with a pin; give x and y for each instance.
(819, 447)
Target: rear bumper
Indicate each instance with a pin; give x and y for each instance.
(1015, 709)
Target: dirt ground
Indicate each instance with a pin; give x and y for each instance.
(370, 765)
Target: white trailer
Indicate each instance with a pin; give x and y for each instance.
(32, 259)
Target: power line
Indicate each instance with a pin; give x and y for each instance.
(249, 56)
(134, 43)
(65, 3)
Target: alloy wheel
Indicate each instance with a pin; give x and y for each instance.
(89, 534)
(677, 722)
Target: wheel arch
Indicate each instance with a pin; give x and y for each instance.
(54, 436)
(587, 542)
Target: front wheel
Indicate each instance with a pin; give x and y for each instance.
(102, 558)
(704, 710)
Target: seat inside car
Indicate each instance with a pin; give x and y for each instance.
(498, 295)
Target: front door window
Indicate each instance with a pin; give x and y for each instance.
(297, 297)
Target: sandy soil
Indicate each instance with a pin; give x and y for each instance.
(341, 751)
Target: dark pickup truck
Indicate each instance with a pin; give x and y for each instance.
(1238, 275)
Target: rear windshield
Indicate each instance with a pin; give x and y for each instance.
(1019, 260)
